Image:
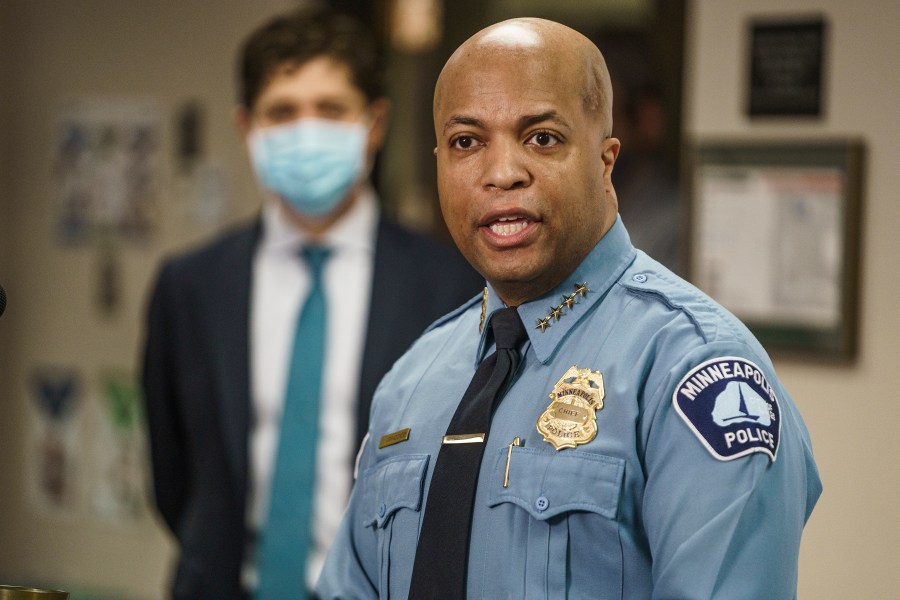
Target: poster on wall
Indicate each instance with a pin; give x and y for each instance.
(54, 463)
(118, 491)
(106, 165)
(86, 454)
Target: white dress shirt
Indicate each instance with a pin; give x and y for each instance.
(281, 283)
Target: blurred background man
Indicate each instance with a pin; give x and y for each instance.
(265, 346)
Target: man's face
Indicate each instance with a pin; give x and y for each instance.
(523, 169)
(320, 88)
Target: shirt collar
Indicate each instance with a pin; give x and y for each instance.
(355, 230)
(549, 318)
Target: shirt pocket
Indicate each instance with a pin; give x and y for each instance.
(393, 500)
(560, 511)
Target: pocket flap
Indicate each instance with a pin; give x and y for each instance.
(394, 484)
(547, 484)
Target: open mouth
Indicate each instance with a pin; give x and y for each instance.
(506, 226)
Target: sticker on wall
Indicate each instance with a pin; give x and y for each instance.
(206, 196)
(53, 463)
(108, 277)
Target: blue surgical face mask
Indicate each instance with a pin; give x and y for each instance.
(310, 163)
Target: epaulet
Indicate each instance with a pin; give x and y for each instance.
(455, 313)
(708, 316)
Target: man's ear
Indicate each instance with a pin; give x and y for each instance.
(609, 152)
(379, 110)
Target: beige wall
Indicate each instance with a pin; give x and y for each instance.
(852, 541)
(166, 51)
(177, 50)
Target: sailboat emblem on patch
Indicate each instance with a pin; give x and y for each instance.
(731, 408)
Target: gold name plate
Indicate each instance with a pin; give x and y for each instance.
(393, 438)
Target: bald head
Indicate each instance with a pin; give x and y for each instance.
(546, 45)
(522, 116)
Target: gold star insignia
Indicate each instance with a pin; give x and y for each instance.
(569, 301)
(556, 312)
(581, 289)
(543, 324)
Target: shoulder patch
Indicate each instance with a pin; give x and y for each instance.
(730, 406)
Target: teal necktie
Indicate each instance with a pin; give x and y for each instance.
(287, 537)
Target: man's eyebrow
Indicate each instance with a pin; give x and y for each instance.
(463, 120)
(550, 115)
(526, 121)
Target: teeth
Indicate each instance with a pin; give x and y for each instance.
(500, 228)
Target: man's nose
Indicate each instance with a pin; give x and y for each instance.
(506, 167)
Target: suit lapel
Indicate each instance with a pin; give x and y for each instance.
(231, 286)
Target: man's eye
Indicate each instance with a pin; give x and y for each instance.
(543, 139)
(463, 142)
(280, 114)
(333, 111)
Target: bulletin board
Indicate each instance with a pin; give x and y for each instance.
(774, 237)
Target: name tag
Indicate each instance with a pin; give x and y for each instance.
(393, 438)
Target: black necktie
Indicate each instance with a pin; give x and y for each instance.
(441, 561)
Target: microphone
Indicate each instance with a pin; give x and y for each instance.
(2, 300)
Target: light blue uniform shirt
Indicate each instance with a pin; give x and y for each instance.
(697, 484)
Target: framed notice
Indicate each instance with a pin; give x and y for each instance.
(786, 73)
(774, 237)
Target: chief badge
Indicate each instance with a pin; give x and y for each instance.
(571, 418)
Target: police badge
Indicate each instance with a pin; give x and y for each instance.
(571, 418)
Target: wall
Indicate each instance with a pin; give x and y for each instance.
(168, 52)
(173, 51)
(852, 541)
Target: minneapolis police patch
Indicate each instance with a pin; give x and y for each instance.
(730, 406)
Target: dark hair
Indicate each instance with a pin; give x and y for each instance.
(301, 35)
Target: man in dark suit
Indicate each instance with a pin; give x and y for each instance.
(222, 318)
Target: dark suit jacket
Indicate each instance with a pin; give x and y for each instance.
(197, 389)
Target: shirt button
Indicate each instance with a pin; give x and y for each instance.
(382, 509)
(542, 503)
(640, 278)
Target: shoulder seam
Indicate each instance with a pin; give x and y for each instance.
(454, 313)
(699, 298)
